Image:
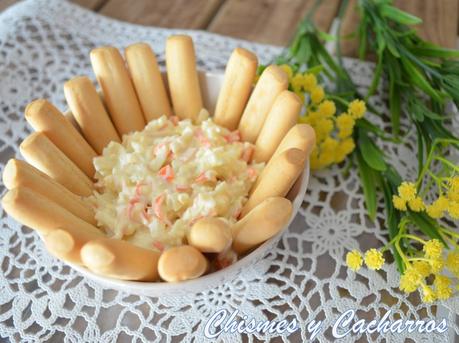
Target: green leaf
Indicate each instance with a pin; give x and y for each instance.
(435, 52)
(399, 16)
(372, 155)
(304, 51)
(426, 225)
(395, 106)
(368, 179)
(419, 80)
(376, 78)
(392, 222)
(393, 177)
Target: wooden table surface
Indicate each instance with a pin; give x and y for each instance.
(266, 21)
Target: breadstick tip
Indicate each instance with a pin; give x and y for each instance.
(35, 107)
(59, 241)
(9, 173)
(247, 54)
(96, 255)
(277, 73)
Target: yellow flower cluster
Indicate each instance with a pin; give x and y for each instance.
(408, 198)
(417, 273)
(373, 259)
(420, 271)
(333, 132)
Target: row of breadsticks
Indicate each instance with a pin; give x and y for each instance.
(47, 193)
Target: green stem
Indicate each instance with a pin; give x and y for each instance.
(447, 162)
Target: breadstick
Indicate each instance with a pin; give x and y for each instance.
(18, 173)
(211, 235)
(40, 152)
(300, 136)
(66, 243)
(272, 81)
(181, 263)
(119, 93)
(183, 77)
(147, 80)
(281, 118)
(237, 85)
(263, 222)
(41, 214)
(277, 178)
(89, 111)
(120, 259)
(44, 117)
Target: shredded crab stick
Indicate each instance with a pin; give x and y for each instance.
(120, 259)
(40, 152)
(272, 81)
(89, 112)
(158, 182)
(41, 214)
(183, 77)
(147, 80)
(277, 178)
(44, 117)
(18, 173)
(239, 76)
(181, 263)
(263, 222)
(281, 118)
(119, 93)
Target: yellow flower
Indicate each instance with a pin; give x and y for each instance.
(453, 194)
(410, 280)
(327, 108)
(325, 125)
(326, 158)
(454, 183)
(453, 209)
(416, 204)
(317, 94)
(436, 209)
(399, 203)
(257, 77)
(301, 96)
(345, 121)
(329, 145)
(354, 260)
(428, 295)
(345, 133)
(314, 159)
(452, 262)
(296, 82)
(374, 259)
(442, 283)
(407, 191)
(433, 249)
(345, 147)
(288, 70)
(309, 82)
(436, 265)
(422, 267)
(357, 108)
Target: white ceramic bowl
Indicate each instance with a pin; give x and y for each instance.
(210, 87)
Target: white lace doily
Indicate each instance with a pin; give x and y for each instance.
(42, 44)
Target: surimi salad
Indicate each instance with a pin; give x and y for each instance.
(158, 182)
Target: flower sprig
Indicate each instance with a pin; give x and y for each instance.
(334, 129)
